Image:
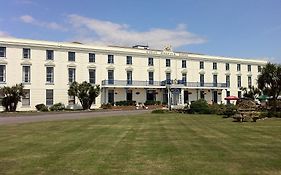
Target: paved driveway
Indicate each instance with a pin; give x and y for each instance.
(64, 116)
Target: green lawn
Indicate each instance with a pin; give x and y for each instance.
(149, 144)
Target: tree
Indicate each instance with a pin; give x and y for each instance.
(252, 92)
(12, 95)
(86, 93)
(269, 81)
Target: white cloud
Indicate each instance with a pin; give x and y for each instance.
(106, 32)
(4, 34)
(51, 25)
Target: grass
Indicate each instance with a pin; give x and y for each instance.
(148, 144)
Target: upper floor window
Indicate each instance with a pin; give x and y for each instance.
(201, 65)
(2, 73)
(226, 66)
(71, 75)
(259, 68)
(249, 68)
(92, 58)
(92, 76)
(49, 54)
(249, 81)
(110, 59)
(129, 77)
(168, 62)
(110, 76)
(239, 81)
(150, 77)
(215, 66)
(183, 63)
(71, 56)
(227, 80)
(150, 61)
(2, 51)
(184, 77)
(202, 80)
(50, 74)
(129, 60)
(238, 67)
(26, 53)
(26, 74)
(26, 98)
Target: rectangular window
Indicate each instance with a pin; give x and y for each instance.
(2, 51)
(239, 94)
(71, 100)
(259, 68)
(150, 61)
(26, 98)
(215, 66)
(249, 68)
(26, 74)
(49, 74)
(2, 73)
(110, 76)
(183, 63)
(110, 59)
(26, 53)
(92, 76)
(92, 57)
(168, 62)
(202, 94)
(71, 75)
(201, 65)
(215, 80)
(168, 78)
(150, 78)
(129, 77)
(226, 66)
(129, 60)
(49, 97)
(249, 81)
(184, 77)
(49, 54)
(71, 56)
(238, 67)
(239, 81)
(227, 80)
(201, 79)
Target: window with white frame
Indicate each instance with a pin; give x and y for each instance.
(226, 66)
(26, 53)
(249, 81)
(71, 100)
(49, 74)
(129, 60)
(92, 57)
(26, 74)
(92, 76)
(238, 67)
(201, 66)
(129, 77)
(168, 62)
(183, 64)
(26, 98)
(239, 81)
(71, 56)
(49, 55)
(110, 59)
(2, 73)
(49, 97)
(71, 75)
(150, 61)
(215, 66)
(150, 78)
(227, 80)
(249, 68)
(2, 51)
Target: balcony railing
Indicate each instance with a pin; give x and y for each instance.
(160, 83)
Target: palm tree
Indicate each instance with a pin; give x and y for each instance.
(269, 81)
(12, 95)
(252, 92)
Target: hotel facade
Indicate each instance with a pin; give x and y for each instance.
(47, 68)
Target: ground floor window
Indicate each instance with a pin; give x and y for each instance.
(111, 96)
(71, 100)
(151, 95)
(185, 97)
(26, 99)
(202, 94)
(215, 96)
(49, 97)
(129, 96)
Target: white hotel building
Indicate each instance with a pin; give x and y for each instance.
(47, 68)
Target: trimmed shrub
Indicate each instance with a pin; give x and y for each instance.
(57, 107)
(217, 109)
(106, 106)
(125, 103)
(230, 110)
(41, 107)
(152, 102)
(200, 107)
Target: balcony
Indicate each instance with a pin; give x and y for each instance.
(181, 83)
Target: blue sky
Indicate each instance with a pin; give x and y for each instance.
(238, 28)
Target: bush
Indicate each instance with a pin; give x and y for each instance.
(57, 107)
(273, 114)
(230, 110)
(159, 111)
(217, 109)
(200, 107)
(41, 107)
(106, 106)
(152, 102)
(125, 103)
